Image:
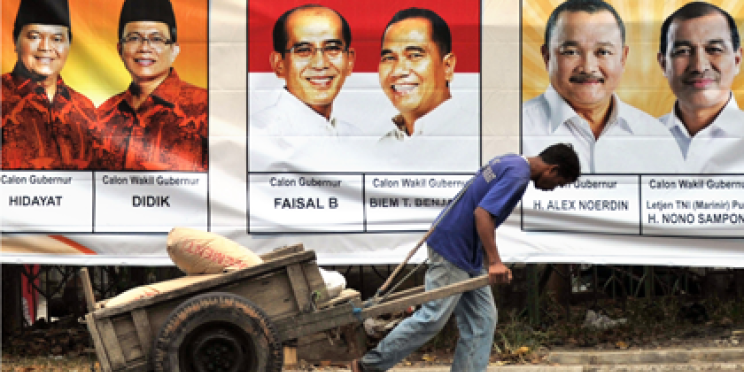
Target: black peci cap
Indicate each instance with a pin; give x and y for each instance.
(148, 10)
(43, 12)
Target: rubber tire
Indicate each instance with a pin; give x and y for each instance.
(198, 318)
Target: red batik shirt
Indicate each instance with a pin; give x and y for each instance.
(167, 132)
(43, 134)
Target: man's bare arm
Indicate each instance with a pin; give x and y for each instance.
(497, 271)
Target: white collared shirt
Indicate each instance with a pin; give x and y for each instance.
(447, 119)
(291, 117)
(445, 139)
(632, 141)
(290, 136)
(717, 148)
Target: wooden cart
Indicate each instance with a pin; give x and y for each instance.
(236, 321)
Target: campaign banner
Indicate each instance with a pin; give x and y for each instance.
(694, 206)
(410, 202)
(350, 88)
(35, 201)
(350, 126)
(306, 203)
(151, 202)
(96, 97)
(598, 204)
(648, 90)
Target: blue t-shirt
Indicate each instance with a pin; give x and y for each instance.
(497, 188)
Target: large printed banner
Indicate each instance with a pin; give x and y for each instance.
(647, 94)
(339, 137)
(349, 125)
(104, 116)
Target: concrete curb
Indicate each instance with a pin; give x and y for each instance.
(492, 368)
(507, 368)
(675, 367)
(667, 356)
(666, 367)
(666, 360)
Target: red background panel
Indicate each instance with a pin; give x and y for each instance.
(367, 19)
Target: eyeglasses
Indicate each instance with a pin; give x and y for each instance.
(156, 41)
(307, 51)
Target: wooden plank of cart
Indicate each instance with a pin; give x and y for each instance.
(236, 321)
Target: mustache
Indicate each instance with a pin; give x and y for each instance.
(583, 78)
(691, 77)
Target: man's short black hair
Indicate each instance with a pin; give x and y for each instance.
(695, 10)
(589, 6)
(440, 31)
(564, 156)
(281, 35)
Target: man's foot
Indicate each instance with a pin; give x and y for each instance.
(356, 366)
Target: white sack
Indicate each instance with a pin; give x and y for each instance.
(334, 281)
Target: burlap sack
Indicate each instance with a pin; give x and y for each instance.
(150, 290)
(199, 252)
(133, 294)
(184, 281)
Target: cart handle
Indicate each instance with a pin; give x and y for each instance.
(406, 301)
(90, 300)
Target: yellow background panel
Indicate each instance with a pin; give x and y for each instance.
(643, 85)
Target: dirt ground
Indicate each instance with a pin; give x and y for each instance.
(703, 336)
(430, 355)
(660, 323)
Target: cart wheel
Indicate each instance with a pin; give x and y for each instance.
(217, 332)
